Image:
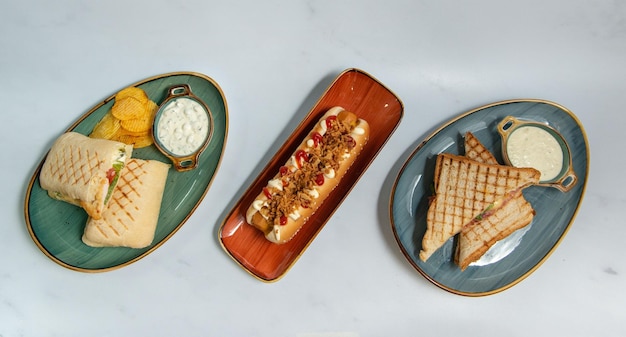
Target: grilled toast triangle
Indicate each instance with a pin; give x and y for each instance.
(465, 189)
(477, 237)
(475, 150)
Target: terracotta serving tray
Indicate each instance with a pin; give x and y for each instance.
(354, 90)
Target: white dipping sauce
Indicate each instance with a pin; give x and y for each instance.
(530, 146)
(183, 126)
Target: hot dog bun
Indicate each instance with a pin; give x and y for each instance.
(309, 176)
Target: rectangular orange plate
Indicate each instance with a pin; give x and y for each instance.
(353, 90)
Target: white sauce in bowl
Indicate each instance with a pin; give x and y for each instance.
(183, 126)
(530, 146)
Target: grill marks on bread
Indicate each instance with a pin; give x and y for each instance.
(74, 166)
(121, 204)
(464, 189)
(131, 216)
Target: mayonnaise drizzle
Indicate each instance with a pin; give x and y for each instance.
(314, 193)
(329, 173)
(295, 215)
(258, 204)
(358, 131)
(276, 183)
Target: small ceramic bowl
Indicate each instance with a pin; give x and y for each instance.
(529, 139)
(183, 127)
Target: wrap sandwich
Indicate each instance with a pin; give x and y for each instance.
(83, 171)
(132, 214)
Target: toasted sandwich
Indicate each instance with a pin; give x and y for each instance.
(476, 151)
(482, 232)
(479, 235)
(467, 189)
(83, 171)
(132, 214)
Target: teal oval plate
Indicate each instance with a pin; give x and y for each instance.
(56, 227)
(555, 210)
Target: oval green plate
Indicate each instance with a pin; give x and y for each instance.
(57, 227)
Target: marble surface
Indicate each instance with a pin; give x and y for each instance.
(273, 59)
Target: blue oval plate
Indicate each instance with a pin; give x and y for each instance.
(57, 227)
(555, 210)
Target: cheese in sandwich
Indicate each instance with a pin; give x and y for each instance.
(131, 216)
(83, 171)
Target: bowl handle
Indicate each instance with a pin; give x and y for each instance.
(187, 163)
(507, 125)
(566, 182)
(179, 90)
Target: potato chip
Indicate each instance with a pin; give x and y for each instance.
(142, 123)
(134, 92)
(128, 108)
(151, 107)
(136, 141)
(106, 127)
(137, 125)
(129, 120)
(123, 131)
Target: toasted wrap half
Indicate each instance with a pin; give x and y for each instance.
(83, 171)
(132, 214)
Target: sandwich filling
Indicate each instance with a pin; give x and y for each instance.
(113, 174)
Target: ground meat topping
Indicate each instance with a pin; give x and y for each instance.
(299, 184)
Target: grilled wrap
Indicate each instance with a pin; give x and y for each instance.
(131, 216)
(83, 171)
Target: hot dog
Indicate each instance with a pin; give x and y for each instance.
(308, 177)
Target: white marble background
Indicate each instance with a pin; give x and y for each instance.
(272, 58)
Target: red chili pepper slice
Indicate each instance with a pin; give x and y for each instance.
(329, 121)
(111, 175)
(319, 179)
(301, 157)
(267, 192)
(317, 138)
(283, 220)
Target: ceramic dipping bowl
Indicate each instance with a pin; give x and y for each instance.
(538, 145)
(183, 127)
